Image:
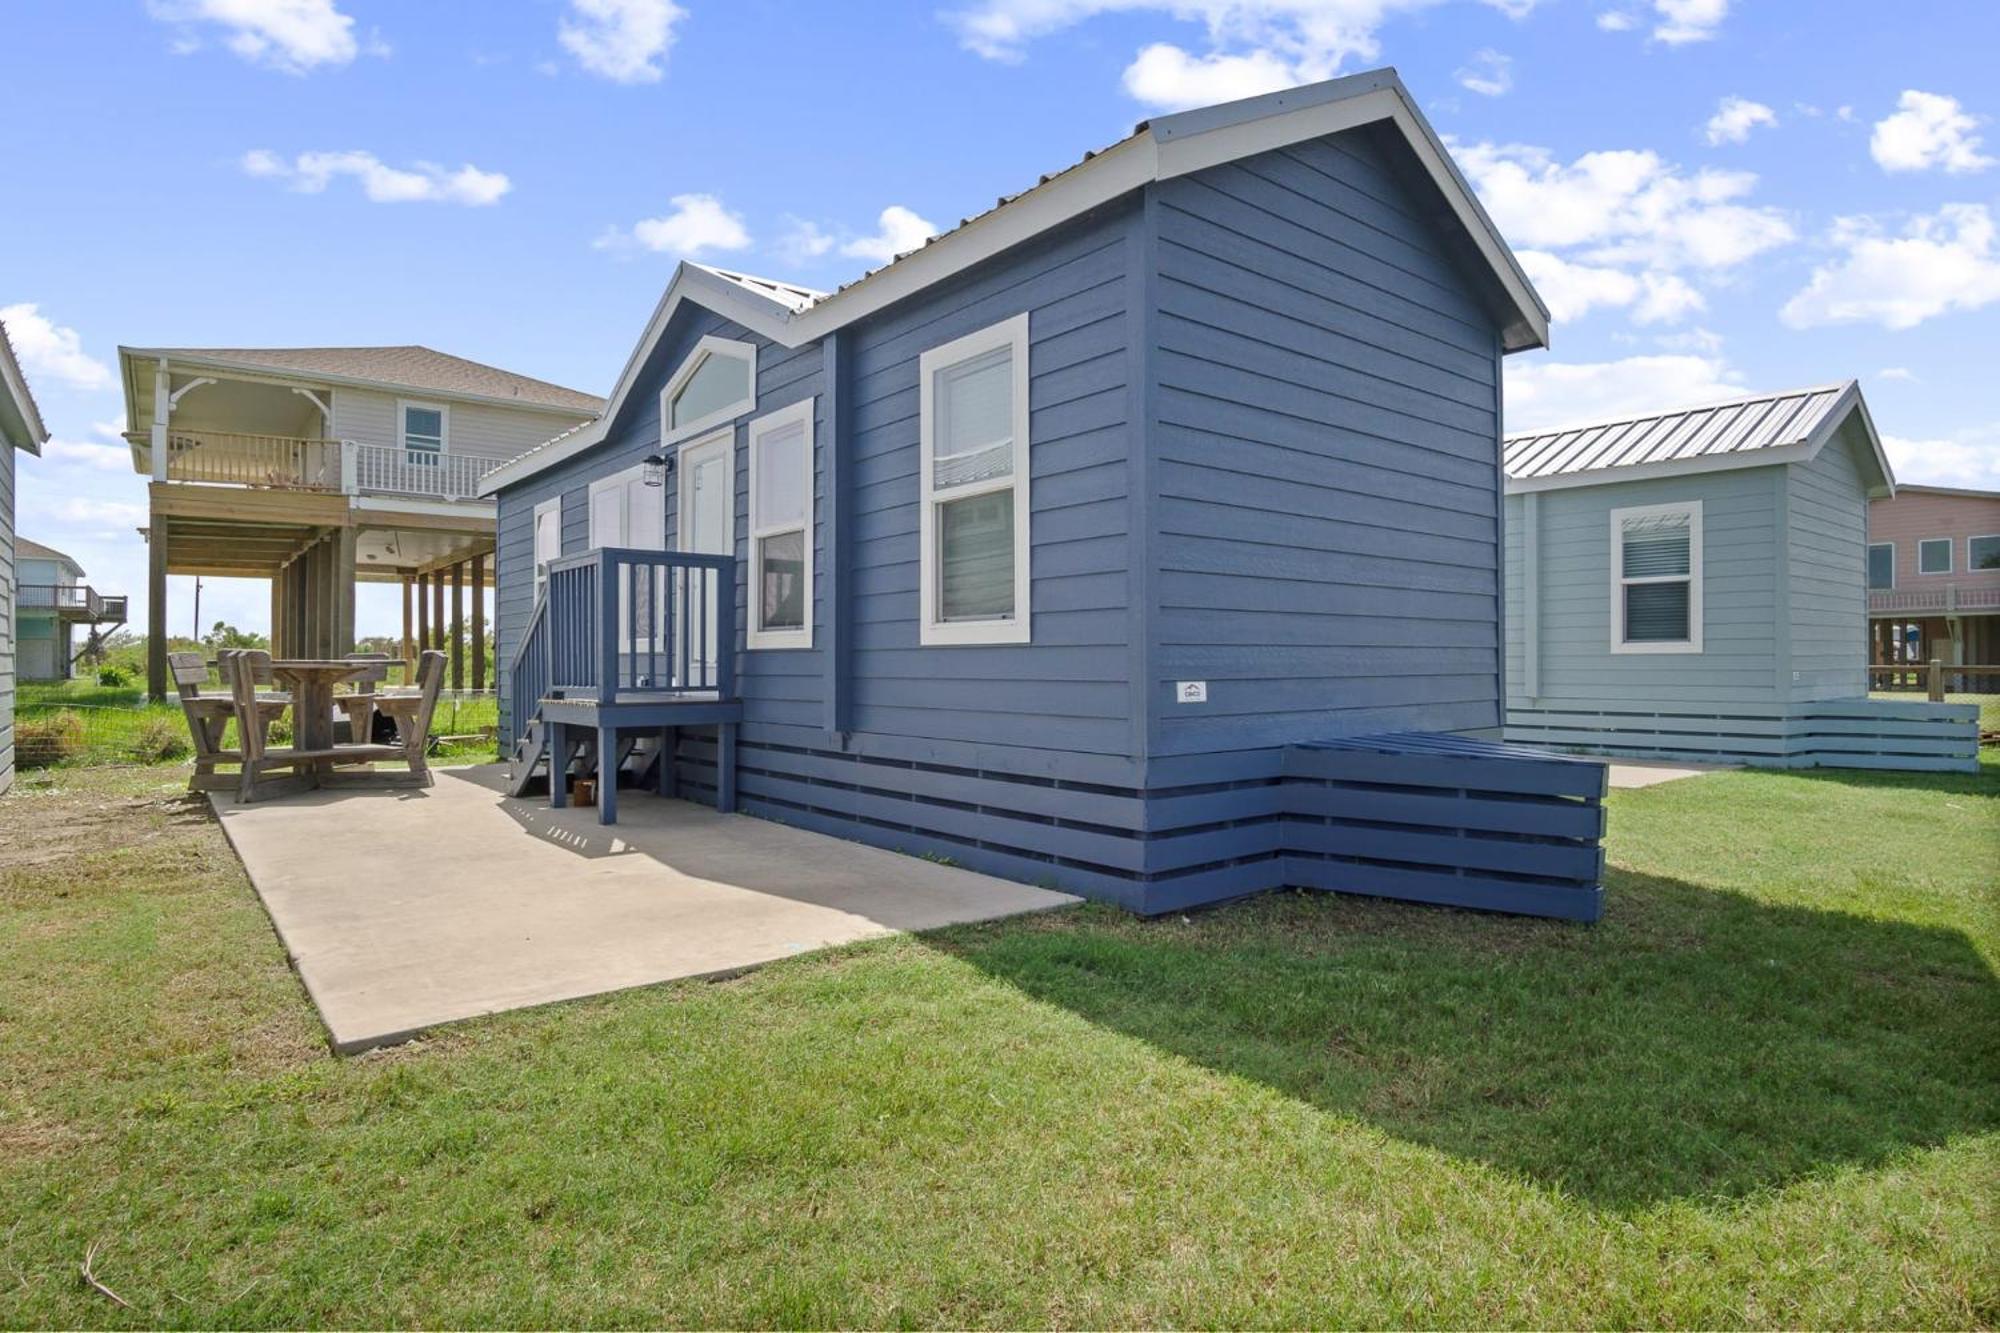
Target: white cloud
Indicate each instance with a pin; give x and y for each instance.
(1488, 73)
(1254, 46)
(898, 230)
(1706, 341)
(89, 511)
(1969, 458)
(421, 182)
(1622, 206)
(1622, 229)
(89, 453)
(1572, 290)
(697, 223)
(1542, 394)
(290, 35)
(1942, 262)
(1684, 21)
(1928, 130)
(803, 241)
(625, 41)
(1735, 117)
(1616, 20)
(1897, 373)
(1168, 78)
(49, 350)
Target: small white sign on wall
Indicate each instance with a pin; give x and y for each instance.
(1191, 691)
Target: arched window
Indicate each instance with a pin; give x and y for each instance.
(717, 383)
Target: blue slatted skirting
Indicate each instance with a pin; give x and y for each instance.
(1429, 818)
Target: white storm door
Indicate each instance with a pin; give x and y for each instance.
(707, 527)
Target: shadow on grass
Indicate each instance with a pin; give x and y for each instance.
(1701, 1044)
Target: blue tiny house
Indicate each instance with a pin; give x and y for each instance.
(1141, 536)
(1691, 585)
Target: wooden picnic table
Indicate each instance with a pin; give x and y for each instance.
(311, 684)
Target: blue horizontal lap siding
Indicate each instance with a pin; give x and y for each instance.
(1827, 508)
(1067, 689)
(1742, 601)
(1325, 435)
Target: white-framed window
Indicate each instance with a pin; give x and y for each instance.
(717, 383)
(1656, 578)
(1934, 555)
(973, 488)
(548, 538)
(1881, 566)
(425, 430)
(625, 511)
(781, 528)
(1982, 552)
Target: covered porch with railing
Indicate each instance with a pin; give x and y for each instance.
(342, 467)
(624, 648)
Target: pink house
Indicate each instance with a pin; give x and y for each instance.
(1934, 576)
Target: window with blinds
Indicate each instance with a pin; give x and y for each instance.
(973, 422)
(781, 492)
(1656, 578)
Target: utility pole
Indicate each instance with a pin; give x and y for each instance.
(197, 608)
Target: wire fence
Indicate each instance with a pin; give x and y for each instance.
(1943, 682)
(78, 725)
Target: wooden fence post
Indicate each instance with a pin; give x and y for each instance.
(1937, 680)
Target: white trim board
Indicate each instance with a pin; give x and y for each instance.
(1164, 148)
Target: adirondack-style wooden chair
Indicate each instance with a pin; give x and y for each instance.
(412, 713)
(315, 767)
(208, 717)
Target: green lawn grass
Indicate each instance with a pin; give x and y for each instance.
(118, 725)
(1765, 1090)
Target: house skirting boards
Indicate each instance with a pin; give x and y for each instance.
(1831, 733)
(1436, 819)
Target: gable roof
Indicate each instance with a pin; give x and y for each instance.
(20, 419)
(29, 548)
(1759, 430)
(406, 367)
(1156, 150)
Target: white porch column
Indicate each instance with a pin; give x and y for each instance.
(163, 406)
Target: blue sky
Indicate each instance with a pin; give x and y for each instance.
(1713, 195)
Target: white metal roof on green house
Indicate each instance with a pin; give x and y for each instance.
(1756, 430)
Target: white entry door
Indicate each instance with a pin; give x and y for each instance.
(707, 527)
(626, 512)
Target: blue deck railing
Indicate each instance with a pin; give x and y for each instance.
(617, 623)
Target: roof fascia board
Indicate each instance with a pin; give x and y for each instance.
(244, 370)
(1679, 467)
(25, 426)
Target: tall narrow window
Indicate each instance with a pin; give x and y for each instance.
(1882, 565)
(717, 383)
(781, 528)
(973, 487)
(424, 431)
(548, 538)
(1934, 555)
(1656, 579)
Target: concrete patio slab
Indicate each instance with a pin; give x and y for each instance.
(402, 910)
(1652, 772)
